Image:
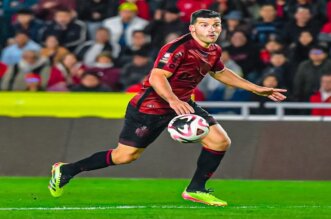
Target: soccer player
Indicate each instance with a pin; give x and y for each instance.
(179, 67)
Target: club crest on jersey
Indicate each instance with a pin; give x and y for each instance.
(165, 57)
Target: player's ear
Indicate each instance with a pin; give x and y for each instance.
(191, 28)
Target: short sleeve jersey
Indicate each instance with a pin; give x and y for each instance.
(188, 62)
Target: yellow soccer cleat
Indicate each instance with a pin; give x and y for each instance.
(203, 197)
(55, 186)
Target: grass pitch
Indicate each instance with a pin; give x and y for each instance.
(161, 198)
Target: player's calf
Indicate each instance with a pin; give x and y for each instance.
(126, 154)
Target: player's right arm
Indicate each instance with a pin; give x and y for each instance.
(159, 82)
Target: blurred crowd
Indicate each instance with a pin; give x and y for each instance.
(110, 45)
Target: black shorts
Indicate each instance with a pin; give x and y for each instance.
(141, 129)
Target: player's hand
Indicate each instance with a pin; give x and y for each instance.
(274, 94)
(181, 107)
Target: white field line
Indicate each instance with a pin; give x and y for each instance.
(158, 207)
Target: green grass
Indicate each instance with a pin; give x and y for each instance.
(160, 198)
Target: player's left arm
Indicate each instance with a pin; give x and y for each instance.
(228, 77)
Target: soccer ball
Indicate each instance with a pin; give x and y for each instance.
(188, 128)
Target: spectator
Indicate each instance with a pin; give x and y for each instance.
(65, 74)
(3, 31)
(245, 54)
(302, 22)
(233, 22)
(162, 25)
(228, 94)
(31, 73)
(170, 37)
(135, 88)
(325, 33)
(13, 53)
(268, 27)
(8, 9)
(268, 80)
(52, 50)
(198, 95)
(139, 41)
(187, 7)
(134, 72)
(143, 8)
(157, 7)
(110, 74)
(124, 24)
(270, 47)
(253, 8)
(3, 69)
(307, 77)
(88, 51)
(224, 7)
(69, 31)
(46, 9)
(90, 82)
(317, 8)
(299, 51)
(93, 12)
(26, 22)
(280, 68)
(281, 7)
(322, 96)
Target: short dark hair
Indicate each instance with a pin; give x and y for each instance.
(25, 11)
(23, 32)
(63, 9)
(303, 7)
(138, 31)
(279, 52)
(268, 5)
(320, 46)
(105, 54)
(203, 13)
(102, 29)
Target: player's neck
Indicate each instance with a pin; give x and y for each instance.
(201, 43)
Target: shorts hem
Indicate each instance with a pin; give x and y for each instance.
(131, 143)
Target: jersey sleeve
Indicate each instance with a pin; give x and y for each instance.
(170, 60)
(218, 66)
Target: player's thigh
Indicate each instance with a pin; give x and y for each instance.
(125, 153)
(217, 138)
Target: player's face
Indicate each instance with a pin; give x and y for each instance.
(207, 30)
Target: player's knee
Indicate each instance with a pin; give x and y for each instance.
(223, 144)
(226, 143)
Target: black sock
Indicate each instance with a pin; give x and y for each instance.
(96, 161)
(208, 162)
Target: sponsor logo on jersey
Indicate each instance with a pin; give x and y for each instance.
(165, 57)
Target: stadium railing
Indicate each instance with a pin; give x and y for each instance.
(279, 107)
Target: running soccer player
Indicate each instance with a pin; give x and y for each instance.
(179, 67)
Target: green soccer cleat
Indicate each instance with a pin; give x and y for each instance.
(54, 185)
(203, 197)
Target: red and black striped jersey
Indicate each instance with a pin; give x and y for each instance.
(188, 62)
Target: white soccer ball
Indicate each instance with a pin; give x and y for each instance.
(188, 128)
